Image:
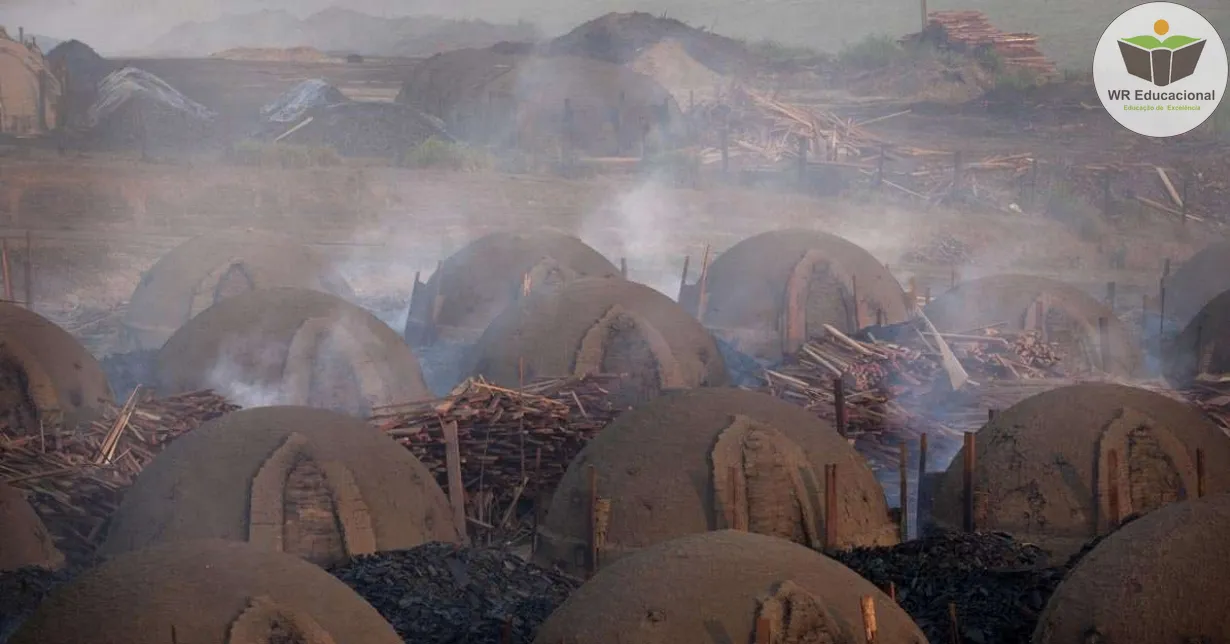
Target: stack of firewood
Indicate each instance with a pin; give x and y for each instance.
(968, 30)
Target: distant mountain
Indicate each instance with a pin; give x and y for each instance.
(338, 30)
(45, 44)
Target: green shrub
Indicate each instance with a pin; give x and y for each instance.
(282, 155)
(1016, 78)
(872, 52)
(445, 155)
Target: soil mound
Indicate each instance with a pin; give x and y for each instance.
(442, 594)
(519, 101)
(304, 481)
(211, 592)
(621, 37)
(996, 582)
(211, 267)
(797, 280)
(278, 55)
(293, 347)
(714, 586)
(708, 459)
(292, 106)
(1181, 555)
(1069, 319)
(24, 540)
(137, 108)
(47, 378)
(1043, 466)
(1197, 282)
(368, 129)
(476, 283)
(600, 325)
(1201, 351)
(81, 69)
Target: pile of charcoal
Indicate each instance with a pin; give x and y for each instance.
(21, 591)
(997, 585)
(444, 594)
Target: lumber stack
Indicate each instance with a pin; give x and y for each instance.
(971, 30)
(513, 444)
(77, 477)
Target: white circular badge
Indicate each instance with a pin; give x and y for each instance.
(1160, 69)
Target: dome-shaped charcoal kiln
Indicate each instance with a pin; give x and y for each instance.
(478, 282)
(305, 481)
(206, 592)
(706, 459)
(715, 587)
(46, 375)
(601, 325)
(1197, 281)
(769, 293)
(1069, 318)
(1067, 465)
(1202, 350)
(24, 540)
(1160, 578)
(292, 346)
(212, 267)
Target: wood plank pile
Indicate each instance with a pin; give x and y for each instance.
(971, 30)
(514, 444)
(76, 477)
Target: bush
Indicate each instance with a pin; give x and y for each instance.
(282, 155)
(446, 155)
(1016, 79)
(872, 52)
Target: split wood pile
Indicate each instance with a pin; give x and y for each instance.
(76, 478)
(444, 594)
(514, 444)
(971, 30)
(996, 586)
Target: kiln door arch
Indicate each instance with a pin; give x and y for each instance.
(817, 292)
(332, 364)
(624, 342)
(1152, 468)
(265, 622)
(227, 279)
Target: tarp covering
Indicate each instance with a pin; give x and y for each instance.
(122, 86)
(294, 104)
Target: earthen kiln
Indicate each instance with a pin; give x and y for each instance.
(706, 459)
(207, 592)
(1202, 350)
(1196, 282)
(47, 379)
(600, 325)
(715, 587)
(769, 293)
(1160, 578)
(293, 479)
(293, 347)
(472, 286)
(1069, 464)
(211, 267)
(24, 540)
(1056, 312)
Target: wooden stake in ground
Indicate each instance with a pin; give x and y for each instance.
(1161, 303)
(4, 266)
(1104, 343)
(592, 566)
(764, 630)
(456, 487)
(29, 272)
(869, 619)
(967, 483)
(1110, 295)
(892, 590)
(830, 506)
(839, 405)
(903, 467)
(954, 626)
(1112, 488)
(858, 314)
(922, 477)
(1200, 473)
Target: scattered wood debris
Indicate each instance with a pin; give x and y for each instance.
(76, 477)
(970, 31)
(514, 444)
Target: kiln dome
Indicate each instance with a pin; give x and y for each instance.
(1043, 466)
(295, 479)
(1203, 348)
(207, 592)
(1070, 318)
(211, 267)
(714, 586)
(601, 325)
(45, 374)
(292, 346)
(769, 293)
(476, 283)
(24, 541)
(1197, 281)
(1160, 578)
(705, 459)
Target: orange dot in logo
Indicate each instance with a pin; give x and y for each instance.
(1161, 27)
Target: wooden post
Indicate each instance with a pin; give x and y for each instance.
(954, 626)
(892, 591)
(952, 278)
(903, 467)
(879, 316)
(4, 266)
(868, 605)
(1200, 491)
(858, 313)
(967, 483)
(992, 414)
(839, 405)
(1161, 306)
(830, 506)
(927, 295)
(1110, 295)
(802, 161)
(1166, 267)
(29, 272)
(1104, 343)
(913, 294)
(764, 630)
(592, 533)
(1033, 183)
(1112, 488)
(1187, 176)
(456, 488)
(924, 14)
(922, 476)
(623, 267)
